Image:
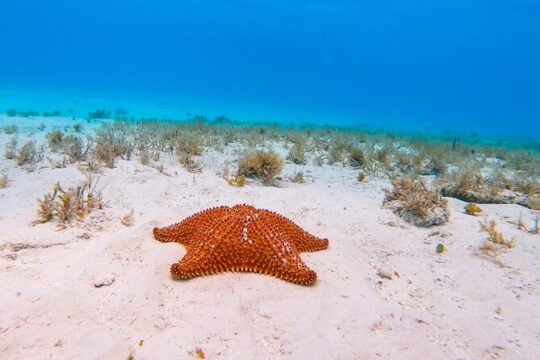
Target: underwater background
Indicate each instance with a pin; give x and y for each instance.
(464, 67)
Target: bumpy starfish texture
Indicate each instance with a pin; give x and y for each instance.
(241, 238)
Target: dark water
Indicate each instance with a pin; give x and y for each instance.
(465, 66)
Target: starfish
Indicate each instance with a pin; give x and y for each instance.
(241, 238)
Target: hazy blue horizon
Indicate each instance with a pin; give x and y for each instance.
(460, 66)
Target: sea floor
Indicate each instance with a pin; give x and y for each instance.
(100, 288)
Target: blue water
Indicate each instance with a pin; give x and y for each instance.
(464, 66)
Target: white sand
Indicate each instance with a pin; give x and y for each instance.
(455, 305)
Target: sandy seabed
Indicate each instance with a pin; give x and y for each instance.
(102, 290)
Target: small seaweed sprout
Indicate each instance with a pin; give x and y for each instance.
(298, 178)
(225, 171)
(3, 180)
(189, 163)
(127, 219)
(94, 194)
(112, 142)
(189, 145)
(160, 168)
(357, 158)
(199, 353)
(186, 148)
(237, 181)
(297, 153)
(45, 211)
(361, 176)
(382, 156)
(28, 154)
(144, 156)
(488, 248)
(495, 236)
(537, 225)
(64, 207)
(72, 146)
(54, 139)
(521, 222)
(472, 209)
(90, 165)
(490, 251)
(11, 149)
(58, 164)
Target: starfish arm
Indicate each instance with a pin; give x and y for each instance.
(302, 240)
(185, 231)
(296, 272)
(194, 264)
(211, 252)
(276, 255)
(188, 267)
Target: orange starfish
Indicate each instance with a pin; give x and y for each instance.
(241, 238)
